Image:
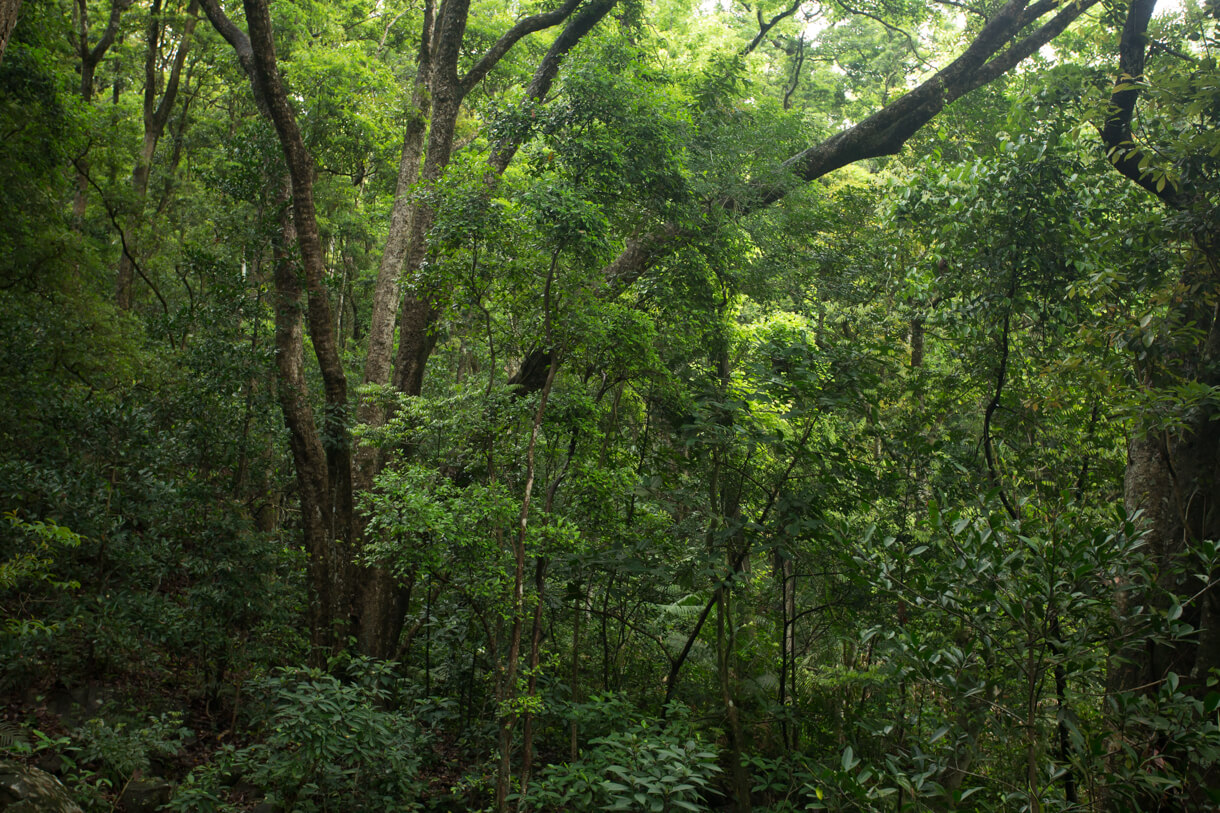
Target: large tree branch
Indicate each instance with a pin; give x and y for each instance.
(986, 59)
(523, 28)
(237, 39)
(548, 69)
(996, 49)
(112, 29)
(1116, 133)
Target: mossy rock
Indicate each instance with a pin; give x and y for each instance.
(28, 790)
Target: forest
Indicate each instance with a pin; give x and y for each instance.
(581, 405)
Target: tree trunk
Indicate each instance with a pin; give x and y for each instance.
(307, 454)
(9, 9)
(508, 715)
(1173, 476)
(322, 458)
(785, 570)
(726, 645)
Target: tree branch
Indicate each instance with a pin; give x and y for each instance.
(1116, 133)
(511, 37)
(548, 69)
(237, 39)
(764, 27)
(994, 50)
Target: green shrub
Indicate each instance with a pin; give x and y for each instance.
(102, 756)
(646, 767)
(324, 743)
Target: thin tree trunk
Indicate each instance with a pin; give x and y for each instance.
(726, 639)
(785, 569)
(156, 115)
(527, 724)
(574, 679)
(508, 716)
(512, 660)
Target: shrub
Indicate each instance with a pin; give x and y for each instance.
(647, 767)
(325, 743)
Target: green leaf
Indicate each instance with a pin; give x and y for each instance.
(848, 760)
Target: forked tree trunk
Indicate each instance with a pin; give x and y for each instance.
(156, 116)
(349, 599)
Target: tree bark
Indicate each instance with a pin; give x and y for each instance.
(1173, 477)
(1173, 474)
(9, 10)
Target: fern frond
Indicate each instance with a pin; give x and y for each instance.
(11, 735)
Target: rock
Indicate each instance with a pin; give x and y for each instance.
(50, 762)
(29, 790)
(145, 795)
(75, 706)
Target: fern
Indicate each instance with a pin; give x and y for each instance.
(12, 736)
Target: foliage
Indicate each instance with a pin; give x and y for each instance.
(648, 765)
(321, 738)
(105, 754)
(845, 471)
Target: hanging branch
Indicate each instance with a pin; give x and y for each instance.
(796, 71)
(994, 403)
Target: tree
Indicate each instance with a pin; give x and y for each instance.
(330, 471)
(9, 10)
(1171, 475)
(156, 116)
(368, 603)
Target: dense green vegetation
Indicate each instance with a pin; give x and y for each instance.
(611, 405)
